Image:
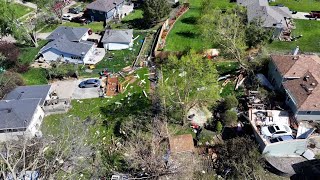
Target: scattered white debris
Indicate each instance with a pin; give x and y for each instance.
(184, 73)
(145, 94)
(118, 103)
(137, 76)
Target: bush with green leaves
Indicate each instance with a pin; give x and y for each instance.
(230, 118)
(219, 127)
(60, 71)
(230, 102)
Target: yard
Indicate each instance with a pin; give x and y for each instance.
(104, 110)
(35, 76)
(309, 42)
(300, 5)
(185, 33)
(116, 60)
(21, 10)
(94, 26)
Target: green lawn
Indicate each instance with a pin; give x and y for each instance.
(21, 10)
(28, 54)
(94, 26)
(35, 76)
(300, 5)
(310, 42)
(185, 33)
(121, 58)
(137, 14)
(104, 110)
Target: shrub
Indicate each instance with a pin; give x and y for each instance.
(219, 127)
(230, 118)
(11, 53)
(8, 81)
(230, 102)
(60, 71)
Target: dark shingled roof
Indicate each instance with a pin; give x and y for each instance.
(104, 5)
(29, 92)
(71, 33)
(64, 45)
(17, 113)
(117, 36)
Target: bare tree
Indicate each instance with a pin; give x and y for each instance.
(66, 151)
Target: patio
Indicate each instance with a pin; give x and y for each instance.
(96, 56)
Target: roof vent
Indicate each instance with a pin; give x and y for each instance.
(313, 84)
(295, 51)
(306, 78)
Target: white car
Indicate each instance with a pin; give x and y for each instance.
(66, 17)
(276, 130)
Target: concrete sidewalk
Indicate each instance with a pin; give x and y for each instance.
(28, 4)
(302, 15)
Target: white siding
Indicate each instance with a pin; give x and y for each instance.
(31, 131)
(85, 36)
(53, 54)
(86, 59)
(116, 46)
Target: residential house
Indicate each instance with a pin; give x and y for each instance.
(21, 112)
(114, 39)
(298, 77)
(103, 10)
(275, 17)
(69, 44)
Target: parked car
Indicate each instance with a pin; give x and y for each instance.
(276, 130)
(81, 20)
(74, 10)
(90, 83)
(66, 17)
(281, 138)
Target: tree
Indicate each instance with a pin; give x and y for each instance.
(230, 102)
(239, 158)
(23, 31)
(230, 117)
(8, 81)
(154, 10)
(11, 53)
(66, 149)
(186, 82)
(256, 34)
(224, 30)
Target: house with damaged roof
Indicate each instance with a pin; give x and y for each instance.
(274, 17)
(21, 112)
(69, 44)
(298, 76)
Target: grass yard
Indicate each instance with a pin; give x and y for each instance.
(94, 26)
(121, 58)
(104, 110)
(28, 54)
(310, 42)
(185, 33)
(300, 5)
(136, 14)
(35, 76)
(21, 10)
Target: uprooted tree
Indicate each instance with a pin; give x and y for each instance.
(187, 82)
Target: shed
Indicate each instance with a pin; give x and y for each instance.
(114, 39)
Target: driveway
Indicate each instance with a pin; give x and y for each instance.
(70, 89)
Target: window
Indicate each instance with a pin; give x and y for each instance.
(271, 129)
(93, 11)
(308, 112)
(40, 118)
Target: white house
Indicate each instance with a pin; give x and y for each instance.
(21, 112)
(114, 39)
(67, 51)
(69, 44)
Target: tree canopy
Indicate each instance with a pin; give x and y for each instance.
(189, 81)
(154, 10)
